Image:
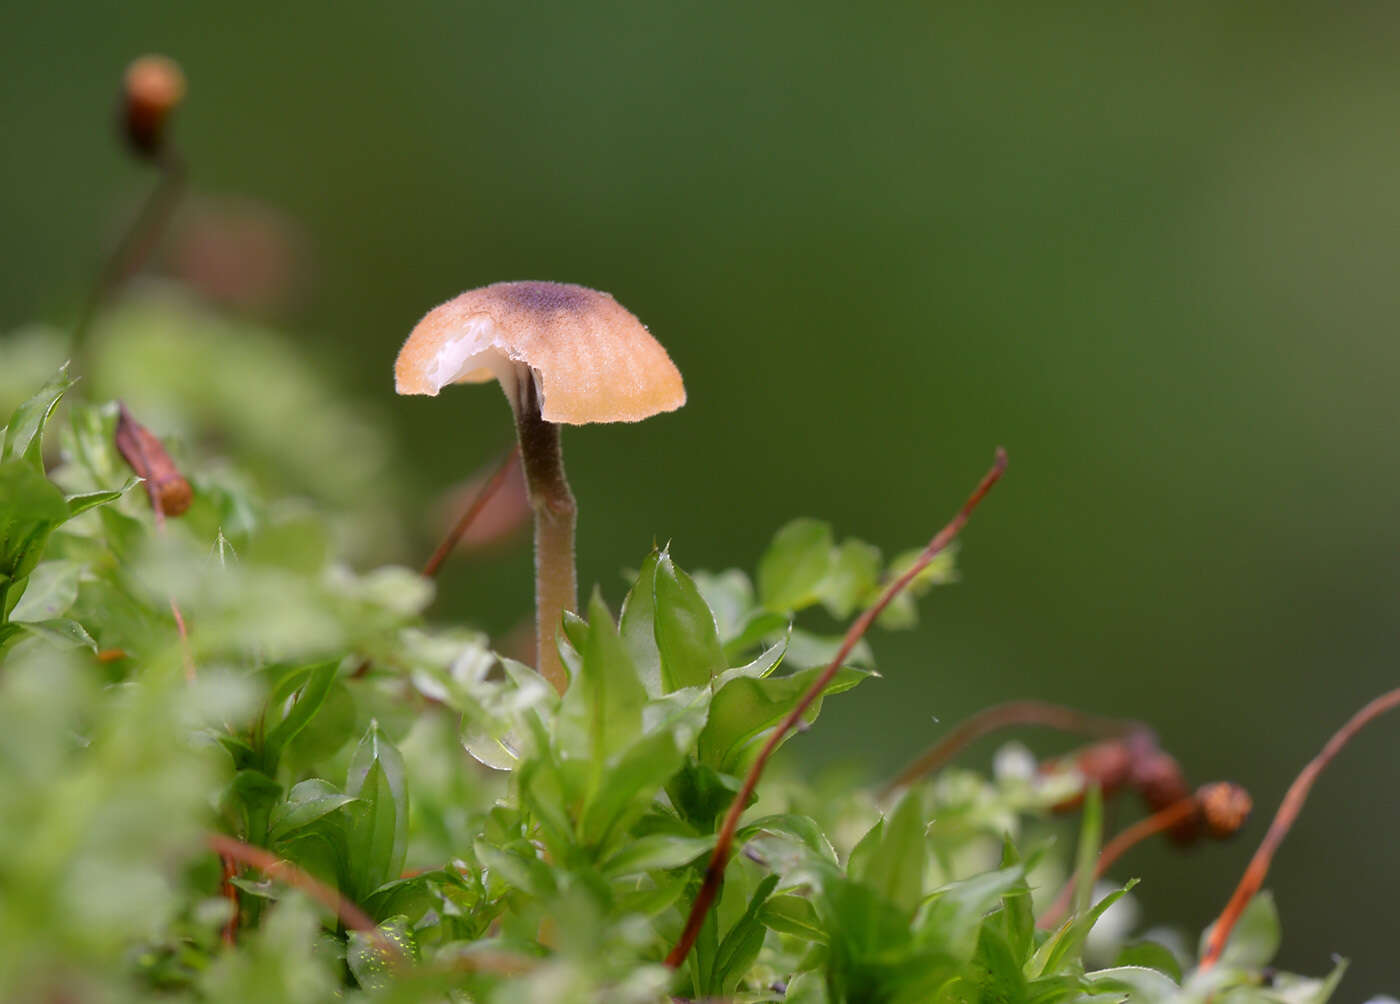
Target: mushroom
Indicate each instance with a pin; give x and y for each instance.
(563, 354)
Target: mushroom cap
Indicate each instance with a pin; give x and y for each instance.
(592, 360)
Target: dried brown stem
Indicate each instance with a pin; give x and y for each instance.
(714, 872)
(230, 892)
(1008, 715)
(1293, 800)
(349, 915)
(498, 477)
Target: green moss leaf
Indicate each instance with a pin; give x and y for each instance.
(896, 868)
(374, 961)
(656, 852)
(601, 712)
(792, 570)
(52, 589)
(741, 944)
(305, 689)
(23, 436)
(378, 830)
(307, 802)
(687, 638)
(744, 709)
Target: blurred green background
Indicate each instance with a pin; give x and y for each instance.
(1149, 250)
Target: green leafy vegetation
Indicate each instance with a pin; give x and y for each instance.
(424, 819)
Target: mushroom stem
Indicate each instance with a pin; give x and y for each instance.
(556, 581)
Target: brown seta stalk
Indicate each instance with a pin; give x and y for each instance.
(350, 916)
(714, 872)
(440, 554)
(1222, 806)
(228, 870)
(1144, 828)
(434, 563)
(1297, 794)
(1002, 716)
(152, 89)
(138, 241)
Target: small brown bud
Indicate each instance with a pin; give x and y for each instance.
(1106, 765)
(152, 87)
(1225, 807)
(167, 488)
(1160, 781)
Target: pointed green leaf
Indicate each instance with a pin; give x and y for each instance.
(517, 866)
(81, 503)
(379, 832)
(768, 660)
(307, 802)
(370, 835)
(1017, 915)
(686, 635)
(1087, 853)
(655, 852)
(310, 695)
(808, 651)
(601, 712)
(1063, 945)
(701, 794)
(23, 437)
(744, 709)
(52, 589)
(30, 507)
(853, 578)
(896, 870)
(61, 632)
(951, 917)
(374, 961)
(1141, 985)
(996, 968)
(761, 625)
(803, 829)
(791, 571)
(730, 595)
(741, 945)
(793, 915)
(807, 988)
(629, 784)
(1152, 955)
(638, 626)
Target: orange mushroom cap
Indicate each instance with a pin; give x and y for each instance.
(591, 358)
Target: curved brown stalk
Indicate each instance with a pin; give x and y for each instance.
(1293, 800)
(135, 246)
(445, 547)
(714, 872)
(1144, 828)
(349, 915)
(493, 484)
(1008, 715)
(229, 891)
